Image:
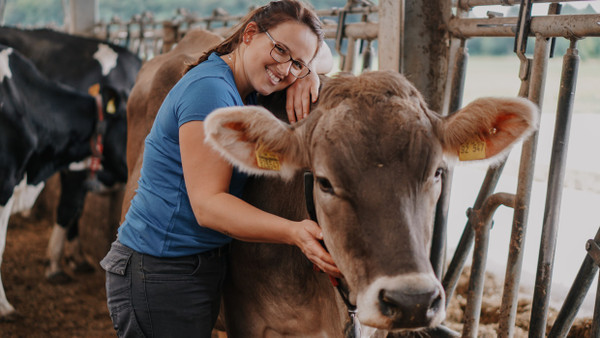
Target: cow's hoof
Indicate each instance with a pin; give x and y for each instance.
(10, 317)
(59, 277)
(81, 267)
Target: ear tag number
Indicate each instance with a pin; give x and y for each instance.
(266, 159)
(472, 150)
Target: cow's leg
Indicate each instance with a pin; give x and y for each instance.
(7, 311)
(74, 252)
(70, 207)
(54, 273)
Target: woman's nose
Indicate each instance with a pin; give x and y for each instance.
(284, 68)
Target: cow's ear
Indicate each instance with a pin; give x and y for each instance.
(252, 139)
(488, 127)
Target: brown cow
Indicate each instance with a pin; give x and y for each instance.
(377, 153)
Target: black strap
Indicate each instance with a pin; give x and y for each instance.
(310, 207)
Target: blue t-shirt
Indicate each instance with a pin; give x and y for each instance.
(160, 220)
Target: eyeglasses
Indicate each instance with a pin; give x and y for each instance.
(282, 55)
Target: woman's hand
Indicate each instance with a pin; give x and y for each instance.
(300, 95)
(308, 235)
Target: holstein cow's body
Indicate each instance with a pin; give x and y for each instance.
(44, 126)
(377, 155)
(81, 63)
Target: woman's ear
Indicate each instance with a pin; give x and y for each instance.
(249, 32)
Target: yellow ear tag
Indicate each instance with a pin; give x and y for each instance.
(266, 159)
(472, 150)
(110, 107)
(94, 89)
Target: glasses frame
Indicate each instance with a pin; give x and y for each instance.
(275, 44)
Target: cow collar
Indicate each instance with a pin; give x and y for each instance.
(344, 292)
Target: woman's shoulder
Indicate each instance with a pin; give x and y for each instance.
(212, 72)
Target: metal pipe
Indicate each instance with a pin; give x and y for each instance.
(347, 62)
(576, 295)
(468, 4)
(438, 243)
(466, 240)
(541, 296)
(596, 320)
(357, 30)
(482, 220)
(526, 169)
(513, 267)
(567, 26)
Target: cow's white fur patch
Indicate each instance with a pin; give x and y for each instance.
(4, 67)
(368, 301)
(25, 195)
(81, 165)
(55, 249)
(107, 58)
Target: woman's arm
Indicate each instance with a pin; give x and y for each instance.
(305, 91)
(207, 176)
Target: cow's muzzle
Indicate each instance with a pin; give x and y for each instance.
(409, 301)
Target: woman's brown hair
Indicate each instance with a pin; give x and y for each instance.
(267, 17)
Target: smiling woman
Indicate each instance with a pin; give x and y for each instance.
(173, 242)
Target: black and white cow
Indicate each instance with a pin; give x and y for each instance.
(81, 63)
(44, 126)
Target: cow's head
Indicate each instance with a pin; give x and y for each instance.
(377, 153)
(114, 164)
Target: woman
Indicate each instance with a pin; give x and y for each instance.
(165, 271)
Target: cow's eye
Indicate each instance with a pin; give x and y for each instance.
(438, 173)
(325, 185)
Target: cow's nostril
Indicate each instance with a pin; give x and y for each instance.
(410, 308)
(388, 305)
(435, 305)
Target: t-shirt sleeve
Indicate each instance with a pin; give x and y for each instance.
(201, 97)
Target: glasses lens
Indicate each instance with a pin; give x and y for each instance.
(300, 73)
(282, 55)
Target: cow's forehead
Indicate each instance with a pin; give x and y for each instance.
(355, 137)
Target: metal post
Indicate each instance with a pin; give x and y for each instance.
(426, 41)
(466, 240)
(83, 16)
(596, 320)
(576, 294)
(482, 222)
(391, 35)
(457, 82)
(541, 296)
(526, 169)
